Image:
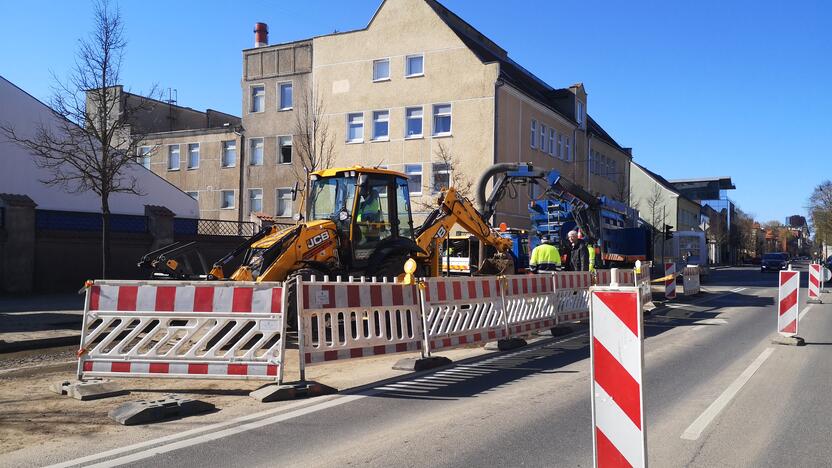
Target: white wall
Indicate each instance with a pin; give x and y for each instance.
(20, 175)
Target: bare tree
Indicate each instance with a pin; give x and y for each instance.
(820, 211)
(456, 178)
(314, 144)
(655, 211)
(90, 143)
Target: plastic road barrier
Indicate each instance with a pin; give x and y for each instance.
(670, 282)
(788, 303)
(617, 357)
(602, 277)
(690, 280)
(530, 304)
(348, 320)
(572, 292)
(814, 282)
(204, 330)
(461, 311)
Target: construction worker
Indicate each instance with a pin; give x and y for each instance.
(545, 257)
(579, 254)
(369, 209)
(591, 249)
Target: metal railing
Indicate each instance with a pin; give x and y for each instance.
(213, 227)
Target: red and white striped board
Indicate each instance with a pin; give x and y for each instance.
(670, 282)
(602, 277)
(183, 329)
(573, 280)
(815, 273)
(336, 295)
(787, 306)
(617, 360)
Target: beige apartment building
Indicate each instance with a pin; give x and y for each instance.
(417, 90)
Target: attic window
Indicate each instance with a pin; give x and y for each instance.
(580, 113)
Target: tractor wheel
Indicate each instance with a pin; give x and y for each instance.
(292, 294)
(390, 266)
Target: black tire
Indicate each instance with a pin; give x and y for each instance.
(390, 266)
(292, 294)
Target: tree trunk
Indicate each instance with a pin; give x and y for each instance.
(105, 235)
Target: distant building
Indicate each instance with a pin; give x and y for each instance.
(713, 192)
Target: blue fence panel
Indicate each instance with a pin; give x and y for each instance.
(79, 221)
(185, 226)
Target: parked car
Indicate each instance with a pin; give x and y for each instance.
(774, 262)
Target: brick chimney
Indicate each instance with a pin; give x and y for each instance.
(261, 35)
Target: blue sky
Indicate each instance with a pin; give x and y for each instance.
(698, 88)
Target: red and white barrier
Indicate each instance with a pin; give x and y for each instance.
(213, 330)
(690, 280)
(602, 277)
(616, 336)
(670, 282)
(348, 320)
(787, 306)
(461, 311)
(530, 304)
(572, 295)
(815, 278)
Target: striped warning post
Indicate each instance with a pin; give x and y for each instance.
(814, 283)
(670, 282)
(616, 335)
(788, 303)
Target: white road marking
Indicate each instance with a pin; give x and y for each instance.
(694, 431)
(803, 312)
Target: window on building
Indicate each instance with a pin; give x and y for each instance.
(441, 176)
(542, 141)
(413, 124)
(568, 148)
(173, 158)
(256, 152)
(284, 203)
(258, 98)
(552, 137)
(381, 70)
(592, 162)
(442, 119)
(227, 199)
(193, 155)
(194, 195)
(284, 150)
(229, 153)
(143, 156)
(381, 125)
(533, 139)
(614, 173)
(559, 151)
(285, 96)
(355, 128)
(414, 178)
(255, 200)
(579, 113)
(414, 65)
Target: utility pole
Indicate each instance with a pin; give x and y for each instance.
(664, 241)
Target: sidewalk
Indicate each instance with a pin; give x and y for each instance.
(31, 322)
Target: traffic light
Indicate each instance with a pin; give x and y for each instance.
(668, 233)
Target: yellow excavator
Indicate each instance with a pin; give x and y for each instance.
(358, 222)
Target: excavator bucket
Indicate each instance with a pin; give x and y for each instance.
(496, 265)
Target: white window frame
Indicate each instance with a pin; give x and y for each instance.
(407, 73)
(433, 172)
(250, 199)
(407, 119)
(386, 78)
(280, 105)
(222, 153)
(560, 147)
(568, 148)
(420, 174)
(251, 151)
(376, 113)
(533, 142)
(579, 111)
(233, 199)
(354, 140)
(553, 135)
(542, 141)
(280, 153)
(277, 198)
(142, 156)
(188, 156)
(251, 98)
(450, 118)
(178, 157)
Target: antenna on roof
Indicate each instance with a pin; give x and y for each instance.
(173, 95)
(379, 163)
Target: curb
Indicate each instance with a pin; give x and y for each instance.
(40, 343)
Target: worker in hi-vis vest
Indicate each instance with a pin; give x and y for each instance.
(545, 257)
(591, 249)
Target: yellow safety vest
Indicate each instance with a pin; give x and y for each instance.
(591, 249)
(544, 256)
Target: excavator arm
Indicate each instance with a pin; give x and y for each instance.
(456, 209)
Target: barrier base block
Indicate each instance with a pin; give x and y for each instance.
(292, 391)
(506, 344)
(420, 364)
(788, 340)
(149, 411)
(560, 330)
(814, 301)
(86, 390)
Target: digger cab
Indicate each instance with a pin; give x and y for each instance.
(371, 211)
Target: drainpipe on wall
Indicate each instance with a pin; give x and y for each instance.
(240, 132)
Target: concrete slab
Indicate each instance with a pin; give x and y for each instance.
(788, 340)
(150, 411)
(421, 364)
(94, 389)
(292, 391)
(506, 344)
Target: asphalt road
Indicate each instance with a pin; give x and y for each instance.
(531, 407)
